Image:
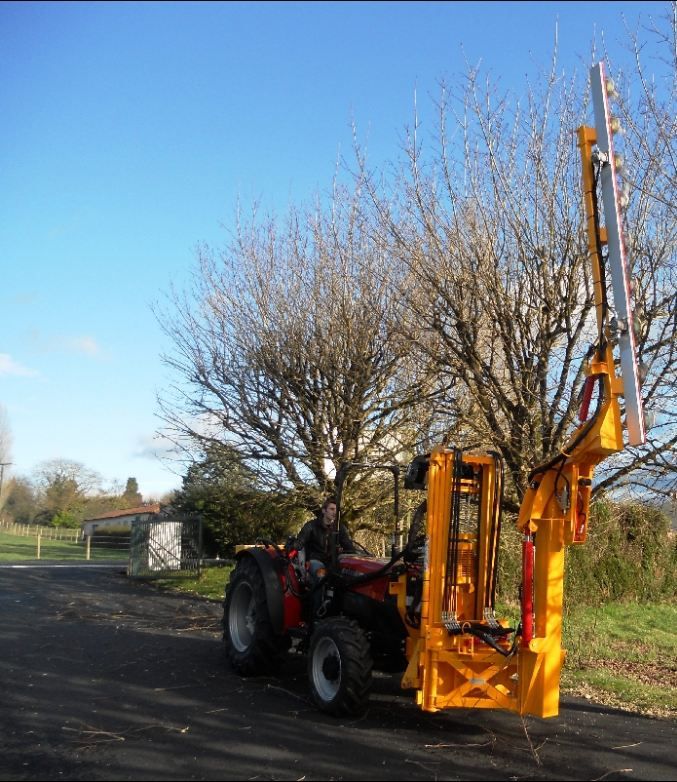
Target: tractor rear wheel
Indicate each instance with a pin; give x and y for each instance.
(339, 667)
(251, 645)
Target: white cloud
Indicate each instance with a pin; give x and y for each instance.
(10, 367)
(86, 345)
(155, 446)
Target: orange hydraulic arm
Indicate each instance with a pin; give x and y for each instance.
(555, 509)
(460, 654)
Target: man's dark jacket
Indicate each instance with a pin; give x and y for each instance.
(316, 540)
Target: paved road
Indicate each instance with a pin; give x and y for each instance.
(105, 678)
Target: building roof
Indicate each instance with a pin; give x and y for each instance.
(137, 511)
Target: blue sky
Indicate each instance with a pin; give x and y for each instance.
(130, 130)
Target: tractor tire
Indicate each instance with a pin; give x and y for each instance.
(339, 667)
(251, 645)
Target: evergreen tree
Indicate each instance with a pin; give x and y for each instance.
(233, 508)
(131, 498)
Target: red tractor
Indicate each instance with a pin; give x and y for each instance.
(345, 622)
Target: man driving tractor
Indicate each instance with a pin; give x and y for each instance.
(314, 541)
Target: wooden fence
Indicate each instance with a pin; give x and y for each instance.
(106, 545)
(46, 533)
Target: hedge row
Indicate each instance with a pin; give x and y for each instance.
(630, 554)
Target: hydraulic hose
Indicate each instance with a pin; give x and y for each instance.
(527, 590)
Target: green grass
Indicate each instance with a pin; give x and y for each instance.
(15, 548)
(632, 632)
(621, 691)
(211, 583)
(624, 655)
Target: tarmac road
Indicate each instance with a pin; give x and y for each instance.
(106, 678)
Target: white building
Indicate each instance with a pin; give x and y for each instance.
(120, 518)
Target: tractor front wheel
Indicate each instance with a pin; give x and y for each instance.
(339, 667)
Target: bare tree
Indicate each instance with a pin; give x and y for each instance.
(286, 349)
(490, 225)
(64, 488)
(455, 298)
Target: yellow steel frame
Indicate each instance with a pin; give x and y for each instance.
(457, 670)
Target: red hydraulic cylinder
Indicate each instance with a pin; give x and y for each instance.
(527, 590)
(587, 396)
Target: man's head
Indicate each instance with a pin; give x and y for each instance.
(328, 512)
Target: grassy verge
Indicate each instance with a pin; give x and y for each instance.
(210, 584)
(623, 655)
(21, 549)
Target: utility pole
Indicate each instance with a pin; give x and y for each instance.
(2, 475)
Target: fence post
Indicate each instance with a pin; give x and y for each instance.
(39, 544)
(88, 546)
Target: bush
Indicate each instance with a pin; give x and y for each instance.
(65, 519)
(238, 517)
(509, 562)
(630, 555)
